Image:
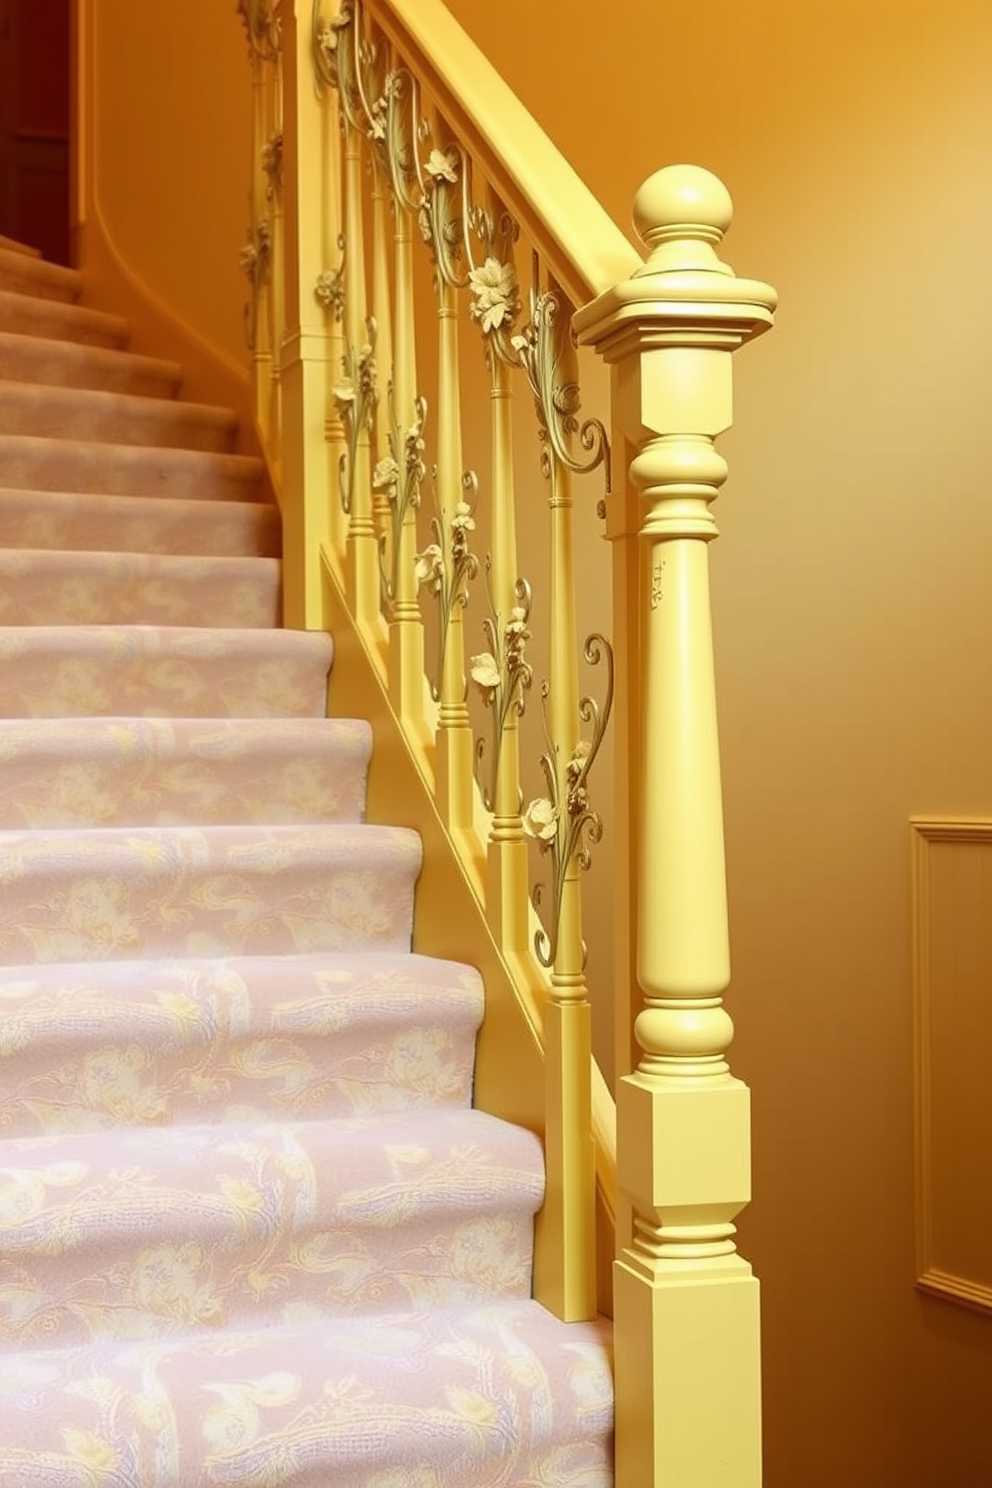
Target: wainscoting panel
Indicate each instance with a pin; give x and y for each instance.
(952, 962)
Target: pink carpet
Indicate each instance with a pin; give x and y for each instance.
(252, 1231)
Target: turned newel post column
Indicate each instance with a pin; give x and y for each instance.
(686, 1304)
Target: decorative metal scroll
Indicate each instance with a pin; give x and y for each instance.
(562, 823)
(447, 565)
(355, 398)
(503, 676)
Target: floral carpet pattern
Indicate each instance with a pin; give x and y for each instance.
(252, 1231)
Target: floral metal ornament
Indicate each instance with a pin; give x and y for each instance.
(324, 42)
(329, 288)
(263, 27)
(355, 398)
(399, 478)
(442, 215)
(447, 565)
(272, 164)
(562, 823)
(540, 348)
(256, 259)
(503, 676)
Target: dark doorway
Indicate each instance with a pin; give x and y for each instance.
(34, 124)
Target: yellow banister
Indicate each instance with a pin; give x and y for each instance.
(568, 227)
(686, 1304)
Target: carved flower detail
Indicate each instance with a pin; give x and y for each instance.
(463, 520)
(329, 291)
(385, 475)
(428, 567)
(442, 165)
(494, 294)
(541, 821)
(344, 394)
(485, 673)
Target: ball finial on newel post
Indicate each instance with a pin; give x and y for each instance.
(681, 214)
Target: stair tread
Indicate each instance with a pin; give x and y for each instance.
(34, 462)
(54, 362)
(92, 414)
(30, 315)
(354, 1401)
(158, 771)
(234, 1038)
(87, 521)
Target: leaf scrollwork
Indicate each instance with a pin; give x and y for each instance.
(503, 676)
(355, 398)
(562, 823)
(447, 565)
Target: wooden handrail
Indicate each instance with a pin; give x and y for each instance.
(570, 229)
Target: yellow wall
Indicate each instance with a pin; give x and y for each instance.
(169, 114)
(853, 626)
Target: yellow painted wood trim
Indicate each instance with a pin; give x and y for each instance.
(932, 1277)
(579, 241)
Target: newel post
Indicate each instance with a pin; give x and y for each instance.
(686, 1304)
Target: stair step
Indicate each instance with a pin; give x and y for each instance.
(27, 462)
(49, 587)
(91, 1045)
(147, 671)
(54, 363)
(22, 273)
(27, 315)
(118, 418)
(258, 1219)
(475, 1396)
(88, 522)
(12, 245)
(135, 893)
(112, 772)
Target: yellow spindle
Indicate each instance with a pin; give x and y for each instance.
(454, 738)
(406, 632)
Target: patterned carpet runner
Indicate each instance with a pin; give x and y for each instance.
(252, 1231)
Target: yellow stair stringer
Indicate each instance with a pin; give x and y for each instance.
(450, 922)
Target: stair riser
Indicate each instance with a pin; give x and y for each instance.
(55, 588)
(101, 672)
(23, 315)
(27, 463)
(53, 363)
(91, 1047)
(108, 524)
(130, 895)
(163, 772)
(75, 413)
(135, 1235)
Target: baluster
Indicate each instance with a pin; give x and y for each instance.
(566, 827)
(272, 164)
(382, 315)
(686, 1304)
(406, 631)
(502, 674)
(454, 774)
(308, 354)
(256, 254)
(328, 282)
(358, 393)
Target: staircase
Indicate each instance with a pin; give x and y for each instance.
(251, 1229)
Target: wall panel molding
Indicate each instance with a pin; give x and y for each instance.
(952, 986)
